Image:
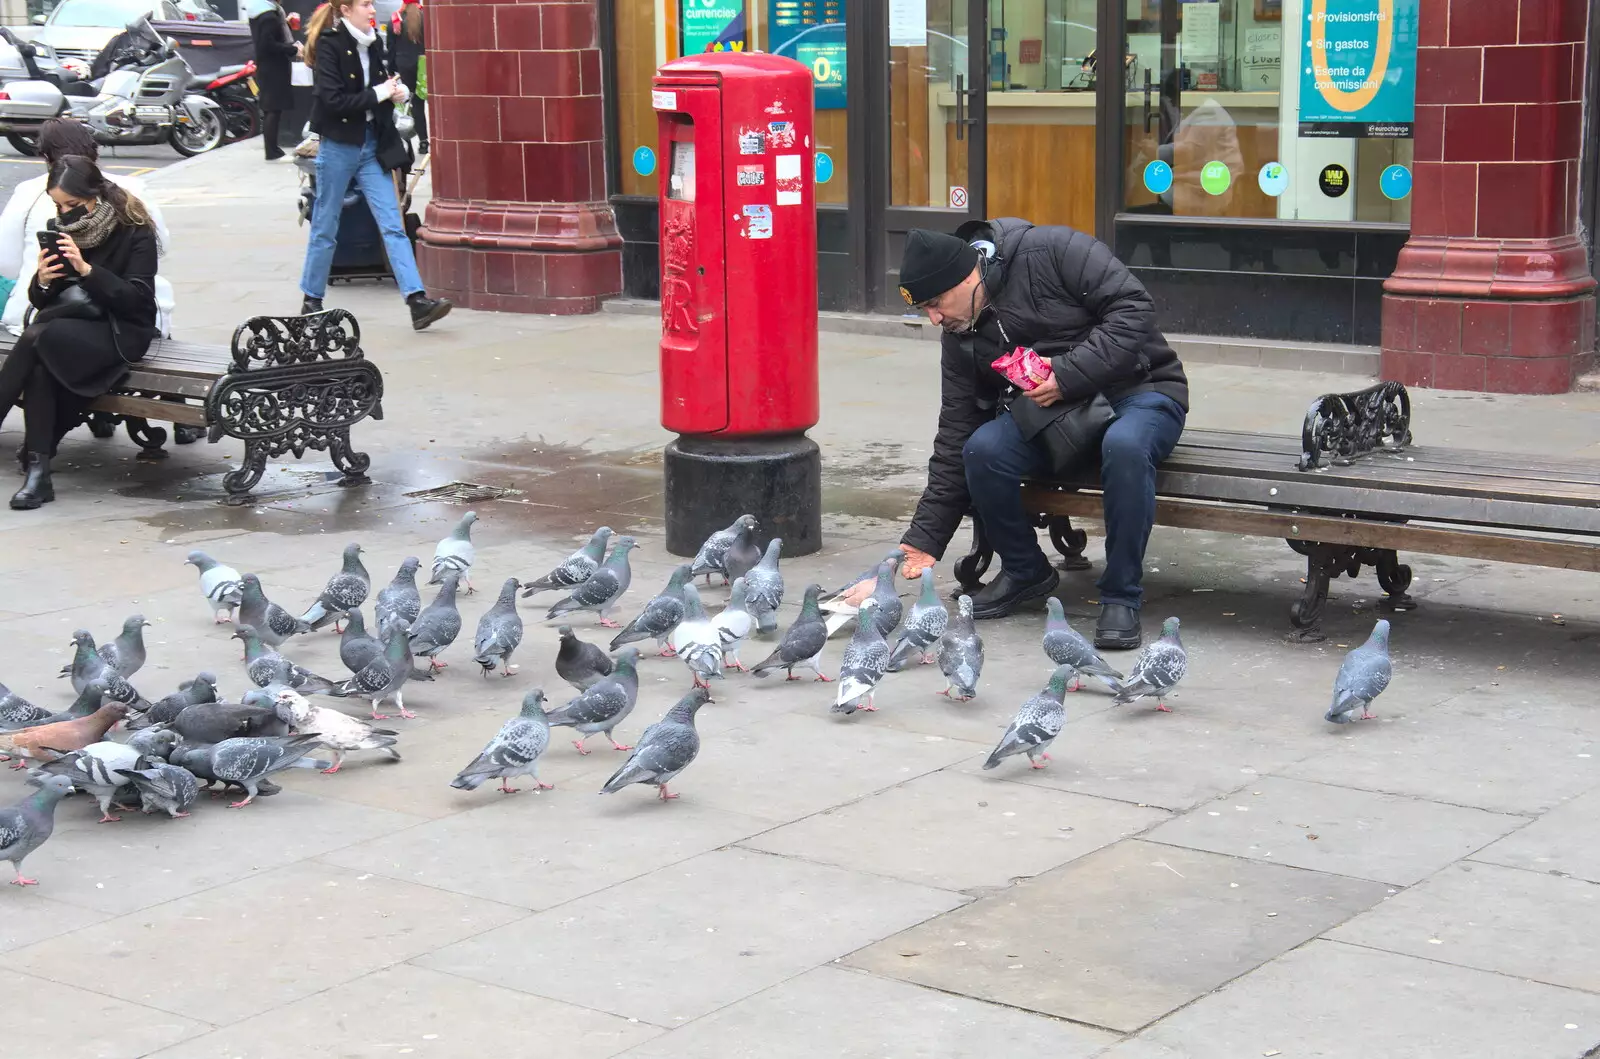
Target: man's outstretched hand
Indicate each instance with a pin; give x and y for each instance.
(915, 562)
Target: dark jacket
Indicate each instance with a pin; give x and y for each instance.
(274, 58)
(406, 51)
(1065, 294)
(90, 357)
(340, 98)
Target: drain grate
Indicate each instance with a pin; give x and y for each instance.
(463, 493)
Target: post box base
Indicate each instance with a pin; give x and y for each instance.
(712, 481)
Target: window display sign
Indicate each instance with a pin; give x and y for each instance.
(1358, 66)
(711, 25)
(812, 32)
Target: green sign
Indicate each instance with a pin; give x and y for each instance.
(1358, 68)
(1216, 177)
(707, 23)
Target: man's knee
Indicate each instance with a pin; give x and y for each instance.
(982, 448)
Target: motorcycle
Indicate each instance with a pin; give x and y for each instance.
(233, 89)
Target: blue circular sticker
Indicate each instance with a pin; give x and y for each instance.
(1158, 178)
(1273, 178)
(1395, 182)
(644, 161)
(824, 167)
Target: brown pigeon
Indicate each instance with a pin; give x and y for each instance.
(48, 741)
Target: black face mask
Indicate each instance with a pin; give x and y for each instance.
(72, 216)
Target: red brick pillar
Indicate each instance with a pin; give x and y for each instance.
(519, 219)
(1493, 292)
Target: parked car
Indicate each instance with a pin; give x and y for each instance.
(79, 29)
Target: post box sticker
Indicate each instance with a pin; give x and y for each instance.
(660, 100)
(758, 222)
(752, 141)
(787, 179)
(750, 176)
(780, 135)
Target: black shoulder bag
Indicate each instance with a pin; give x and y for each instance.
(1069, 433)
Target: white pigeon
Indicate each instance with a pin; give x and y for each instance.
(734, 625)
(95, 769)
(697, 640)
(338, 730)
(456, 553)
(219, 584)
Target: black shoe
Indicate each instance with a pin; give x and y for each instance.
(22, 461)
(1118, 628)
(426, 310)
(310, 305)
(1003, 595)
(275, 156)
(37, 489)
(422, 148)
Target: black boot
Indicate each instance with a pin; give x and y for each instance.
(310, 305)
(1003, 595)
(22, 461)
(1118, 628)
(425, 310)
(37, 489)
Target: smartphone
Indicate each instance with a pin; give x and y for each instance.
(49, 242)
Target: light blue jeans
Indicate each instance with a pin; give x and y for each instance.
(338, 166)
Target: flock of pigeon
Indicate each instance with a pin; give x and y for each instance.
(191, 740)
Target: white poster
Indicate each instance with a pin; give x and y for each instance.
(1201, 32)
(908, 23)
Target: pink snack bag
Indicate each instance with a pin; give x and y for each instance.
(1023, 368)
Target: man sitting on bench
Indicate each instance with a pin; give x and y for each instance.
(997, 286)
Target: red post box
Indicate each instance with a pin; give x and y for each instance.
(738, 297)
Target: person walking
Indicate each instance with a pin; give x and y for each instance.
(276, 51)
(95, 314)
(353, 96)
(408, 52)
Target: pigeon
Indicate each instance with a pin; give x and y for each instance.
(734, 624)
(802, 644)
(837, 604)
(890, 609)
(1362, 678)
(212, 722)
(345, 591)
(400, 598)
(126, 654)
(499, 631)
(1066, 646)
(712, 558)
(603, 588)
(219, 584)
(155, 743)
(454, 554)
(385, 676)
(605, 705)
(960, 653)
(1157, 670)
(245, 761)
(47, 742)
(696, 639)
(339, 731)
(356, 646)
(26, 826)
(513, 752)
(18, 712)
(163, 787)
(266, 666)
(743, 554)
(437, 627)
(866, 657)
(665, 749)
(659, 616)
(575, 569)
(1037, 723)
(87, 665)
(94, 770)
(764, 588)
(203, 688)
(271, 622)
(926, 623)
(581, 664)
(88, 701)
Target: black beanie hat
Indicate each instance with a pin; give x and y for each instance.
(933, 263)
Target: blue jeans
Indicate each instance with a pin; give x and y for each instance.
(997, 458)
(338, 166)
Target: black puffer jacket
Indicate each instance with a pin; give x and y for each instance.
(1065, 294)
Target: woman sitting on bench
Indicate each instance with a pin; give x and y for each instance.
(94, 314)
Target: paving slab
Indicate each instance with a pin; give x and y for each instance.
(1560, 841)
(31, 916)
(407, 1010)
(274, 938)
(1385, 837)
(1123, 936)
(959, 832)
(1521, 923)
(51, 1018)
(845, 1014)
(685, 940)
(1331, 1000)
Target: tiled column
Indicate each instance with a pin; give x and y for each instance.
(519, 219)
(1492, 291)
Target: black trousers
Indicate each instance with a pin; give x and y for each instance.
(270, 120)
(419, 109)
(50, 409)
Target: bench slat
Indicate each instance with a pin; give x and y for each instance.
(149, 408)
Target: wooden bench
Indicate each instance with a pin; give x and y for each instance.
(1352, 491)
(287, 384)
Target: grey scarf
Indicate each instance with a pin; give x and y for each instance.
(92, 230)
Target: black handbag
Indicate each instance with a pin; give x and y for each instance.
(1069, 433)
(72, 302)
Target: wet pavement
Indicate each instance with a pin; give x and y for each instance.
(1231, 880)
